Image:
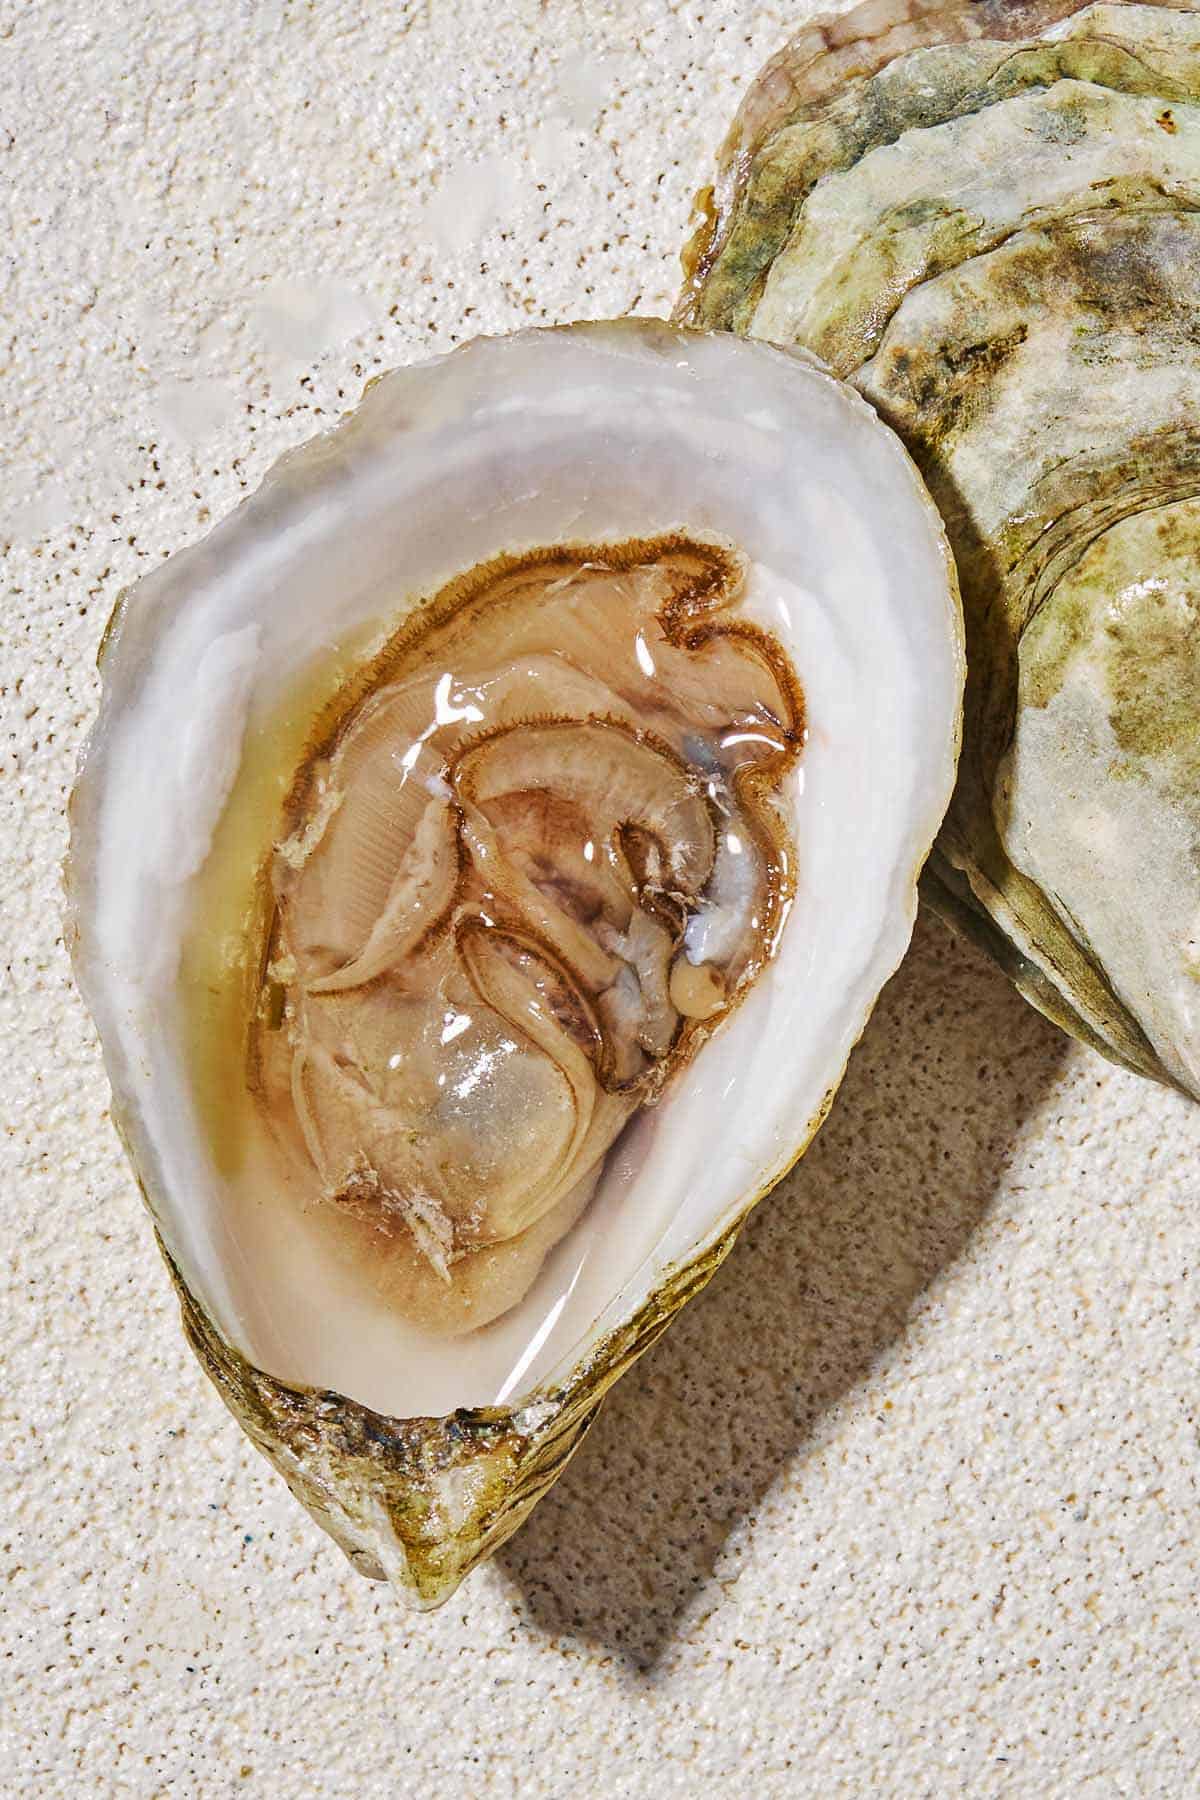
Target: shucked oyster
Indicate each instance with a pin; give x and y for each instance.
(530, 862)
(493, 840)
(997, 242)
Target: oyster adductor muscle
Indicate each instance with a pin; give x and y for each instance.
(990, 229)
(492, 842)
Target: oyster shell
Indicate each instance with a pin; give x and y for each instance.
(996, 242)
(492, 842)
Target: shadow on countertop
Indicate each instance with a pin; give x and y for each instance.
(818, 1287)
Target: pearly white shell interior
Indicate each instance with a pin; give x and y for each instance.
(578, 434)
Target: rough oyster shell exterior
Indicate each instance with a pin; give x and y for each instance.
(984, 218)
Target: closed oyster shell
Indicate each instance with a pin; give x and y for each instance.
(419, 1453)
(996, 242)
(835, 91)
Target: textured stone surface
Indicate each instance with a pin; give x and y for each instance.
(906, 1503)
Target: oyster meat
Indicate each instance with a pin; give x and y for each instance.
(530, 863)
(994, 237)
(492, 842)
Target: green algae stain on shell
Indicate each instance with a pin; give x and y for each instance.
(1153, 661)
(926, 71)
(869, 236)
(1139, 632)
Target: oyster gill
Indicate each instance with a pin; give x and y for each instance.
(1003, 258)
(744, 474)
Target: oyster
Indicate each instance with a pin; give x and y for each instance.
(996, 242)
(492, 842)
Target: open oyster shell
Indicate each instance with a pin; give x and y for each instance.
(993, 235)
(723, 544)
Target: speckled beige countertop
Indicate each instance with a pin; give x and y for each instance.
(906, 1504)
